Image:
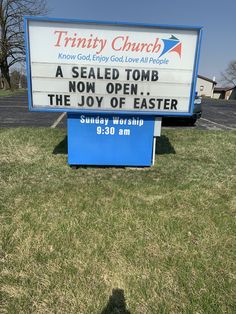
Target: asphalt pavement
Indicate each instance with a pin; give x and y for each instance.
(14, 112)
(217, 115)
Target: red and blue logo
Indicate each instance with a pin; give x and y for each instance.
(172, 44)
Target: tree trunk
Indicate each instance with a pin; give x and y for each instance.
(6, 81)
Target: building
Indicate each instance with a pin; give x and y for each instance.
(205, 86)
(228, 93)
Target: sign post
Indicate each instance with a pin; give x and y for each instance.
(121, 72)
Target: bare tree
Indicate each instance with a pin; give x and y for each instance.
(12, 49)
(229, 76)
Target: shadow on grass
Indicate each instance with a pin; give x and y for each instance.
(116, 303)
(61, 148)
(163, 146)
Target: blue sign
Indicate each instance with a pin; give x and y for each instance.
(110, 140)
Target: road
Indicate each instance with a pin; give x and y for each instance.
(14, 113)
(217, 115)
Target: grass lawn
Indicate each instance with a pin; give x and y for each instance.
(6, 93)
(114, 240)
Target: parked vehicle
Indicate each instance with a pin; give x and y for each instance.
(197, 110)
(190, 120)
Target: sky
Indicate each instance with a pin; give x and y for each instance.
(218, 19)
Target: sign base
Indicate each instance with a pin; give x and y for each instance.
(110, 140)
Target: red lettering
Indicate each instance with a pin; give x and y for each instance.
(122, 43)
(127, 44)
(114, 43)
(149, 47)
(58, 44)
(156, 46)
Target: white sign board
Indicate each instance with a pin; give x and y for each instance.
(96, 67)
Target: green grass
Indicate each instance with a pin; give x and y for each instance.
(9, 92)
(166, 236)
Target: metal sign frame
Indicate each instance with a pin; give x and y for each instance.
(198, 29)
